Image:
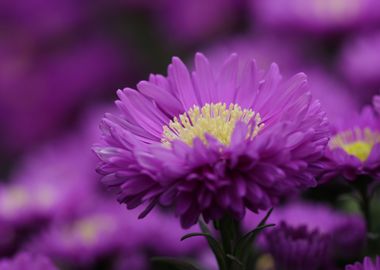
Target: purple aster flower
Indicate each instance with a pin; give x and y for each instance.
(359, 63)
(347, 232)
(297, 248)
(367, 264)
(100, 233)
(354, 148)
(27, 261)
(212, 142)
(320, 16)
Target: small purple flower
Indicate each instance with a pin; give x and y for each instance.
(214, 141)
(297, 248)
(367, 264)
(346, 231)
(27, 261)
(107, 232)
(354, 148)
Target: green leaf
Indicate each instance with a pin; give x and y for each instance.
(243, 246)
(207, 235)
(234, 259)
(176, 263)
(264, 220)
(215, 246)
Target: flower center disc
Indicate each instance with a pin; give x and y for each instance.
(357, 142)
(217, 120)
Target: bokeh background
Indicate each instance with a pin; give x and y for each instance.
(61, 62)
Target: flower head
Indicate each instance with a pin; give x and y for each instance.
(367, 264)
(354, 148)
(27, 261)
(297, 248)
(212, 142)
(347, 232)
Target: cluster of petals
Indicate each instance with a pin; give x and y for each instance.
(367, 264)
(361, 136)
(207, 177)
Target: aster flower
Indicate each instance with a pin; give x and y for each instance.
(367, 264)
(346, 231)
(27, 261)
(99, 233)
(212, 143)
(354, 147)
(297, 248)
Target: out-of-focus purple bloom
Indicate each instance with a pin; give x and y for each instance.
(347, 232)
(319, 16)
(188, 22)
(27, 261)
(297, 248)
(55, 81)
(46, 186)
(359, 62)
(367, 264)
(106, 231)
(354, 148)
(212, 142)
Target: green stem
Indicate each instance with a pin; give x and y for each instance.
(229, 233)
(362, 186)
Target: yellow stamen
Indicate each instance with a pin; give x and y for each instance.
(217, 120)
(91, 229)
(357, 142)
(265, 262)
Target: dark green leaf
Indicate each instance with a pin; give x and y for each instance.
(195, 234)
(234, 259)
(215, 246)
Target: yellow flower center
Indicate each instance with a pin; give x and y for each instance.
(357, 142)
(217, 120)
(91, 229)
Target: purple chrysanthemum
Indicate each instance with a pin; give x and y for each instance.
(347, 232)
(367, 264)
(354, 149)
(214, 141)
(297, 248)
(27, 261)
